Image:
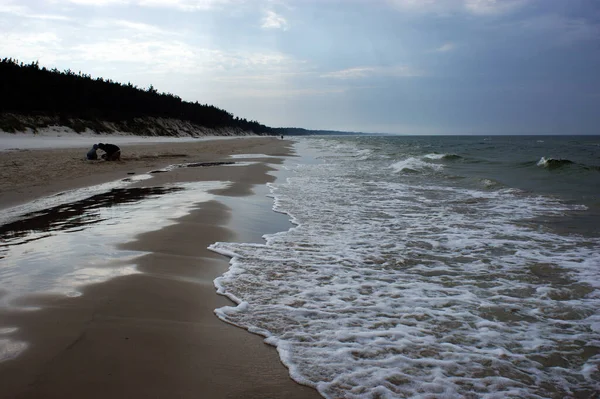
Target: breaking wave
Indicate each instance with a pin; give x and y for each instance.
(396, 286)
(448, 157)
(552, 163)
(414, 165)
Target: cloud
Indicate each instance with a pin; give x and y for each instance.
(138, 26)
(149, 52)
(270, 78)
(163, 56)
(134, 28)
(24, 12)
(182, 5)
(350, 73)
(185, 5)
(445, 48)
(476, 7)
(415, 4)
(425, 6)
(96, 3)
(29, 46)
(401, 71)
(285, 92)
(272, 20)
(493, 7)
(563, 30)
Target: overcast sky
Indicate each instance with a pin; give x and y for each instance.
(390, 66)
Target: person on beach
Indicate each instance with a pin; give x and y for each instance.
(111, 152)
(91, 154)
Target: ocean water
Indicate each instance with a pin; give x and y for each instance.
(430, 267)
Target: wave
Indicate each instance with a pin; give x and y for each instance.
(416, 164)
(385, 286)
(442, 156)
(413, 165)
(490, 183)
(406, 287)
(363, 155)
(552, 163)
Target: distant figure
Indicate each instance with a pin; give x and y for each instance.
(282, 137)
(111, 152)
(91, 154)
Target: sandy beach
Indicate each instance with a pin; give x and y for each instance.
(27, 174)
(152, 333)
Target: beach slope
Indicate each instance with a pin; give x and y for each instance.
(153, 333)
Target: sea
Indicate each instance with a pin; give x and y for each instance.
(430, 267)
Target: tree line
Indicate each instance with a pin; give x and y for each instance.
(29, 89)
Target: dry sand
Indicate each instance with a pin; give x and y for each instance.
(28, 174)
(153, 334)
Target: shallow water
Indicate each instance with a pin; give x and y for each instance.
(70, 245)
(59, 244)
(429, 269)
(60, 249)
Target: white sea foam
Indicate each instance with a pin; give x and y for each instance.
(434, 156)
(363, 154)
(414, 164)
(489, 183)
(552, 163)
(393, 286)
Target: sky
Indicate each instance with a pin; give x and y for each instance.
(384, 66)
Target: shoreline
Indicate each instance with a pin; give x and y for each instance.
(154, 334)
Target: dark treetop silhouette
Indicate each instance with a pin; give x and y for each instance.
(34, 97)
(80, 101)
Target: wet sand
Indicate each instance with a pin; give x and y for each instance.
(152, 334)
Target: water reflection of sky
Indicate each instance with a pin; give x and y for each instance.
(249, 156)
(44, 203)
(64, 247)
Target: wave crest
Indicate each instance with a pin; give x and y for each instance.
(552, 163)
(442, 156)
(413, 165)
